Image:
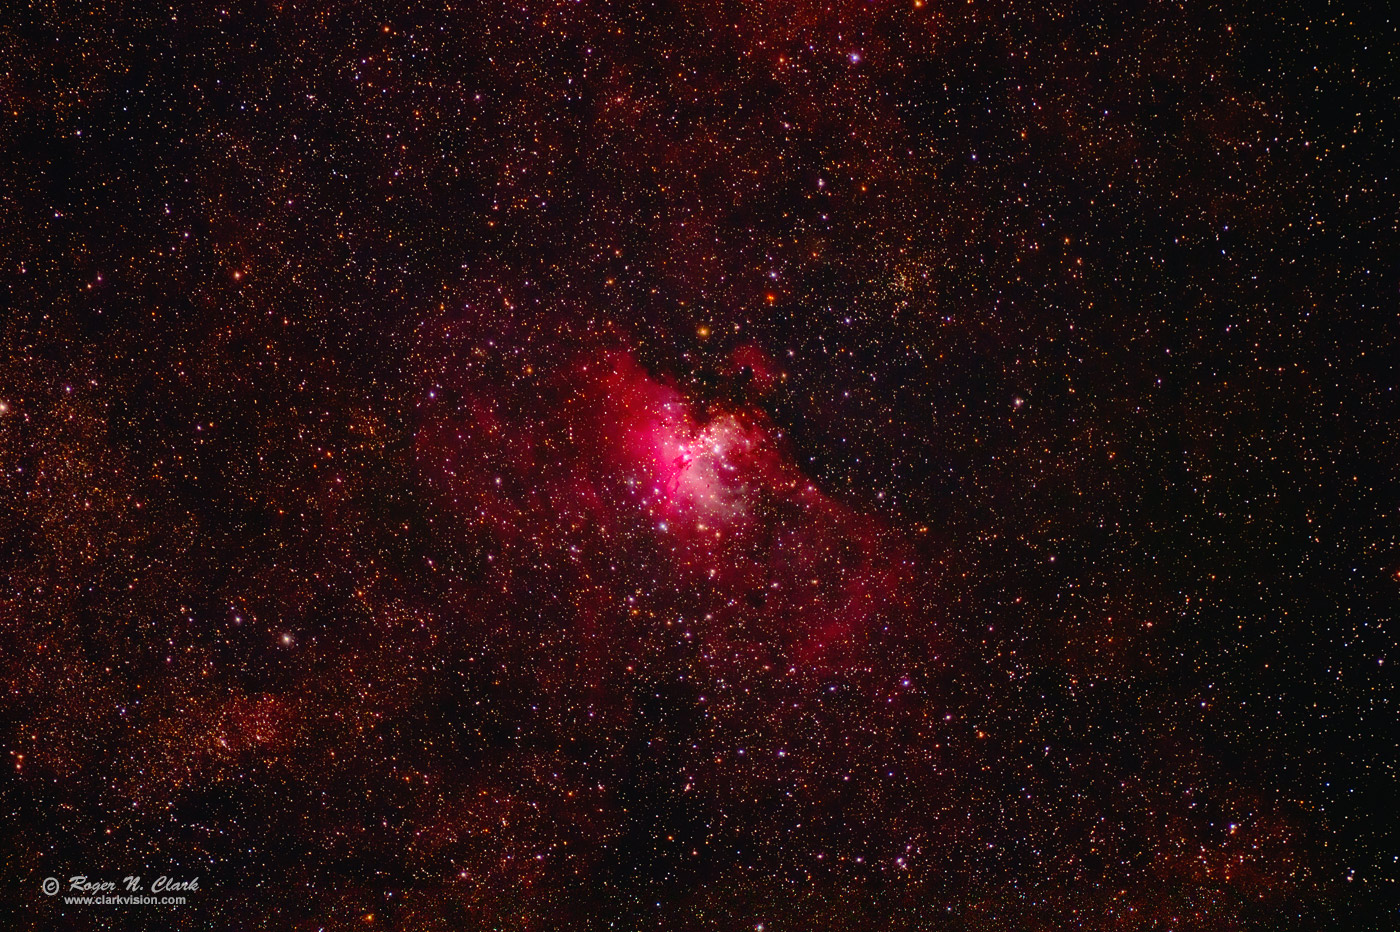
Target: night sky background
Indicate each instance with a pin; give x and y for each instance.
(826, 465)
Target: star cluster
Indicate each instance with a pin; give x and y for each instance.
(861, 464)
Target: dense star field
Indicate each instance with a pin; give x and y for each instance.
(845, 465)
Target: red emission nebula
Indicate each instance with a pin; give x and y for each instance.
(759, 563)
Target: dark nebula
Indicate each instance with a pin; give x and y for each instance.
(587, 465)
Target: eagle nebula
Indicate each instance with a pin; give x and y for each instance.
(595, 465)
